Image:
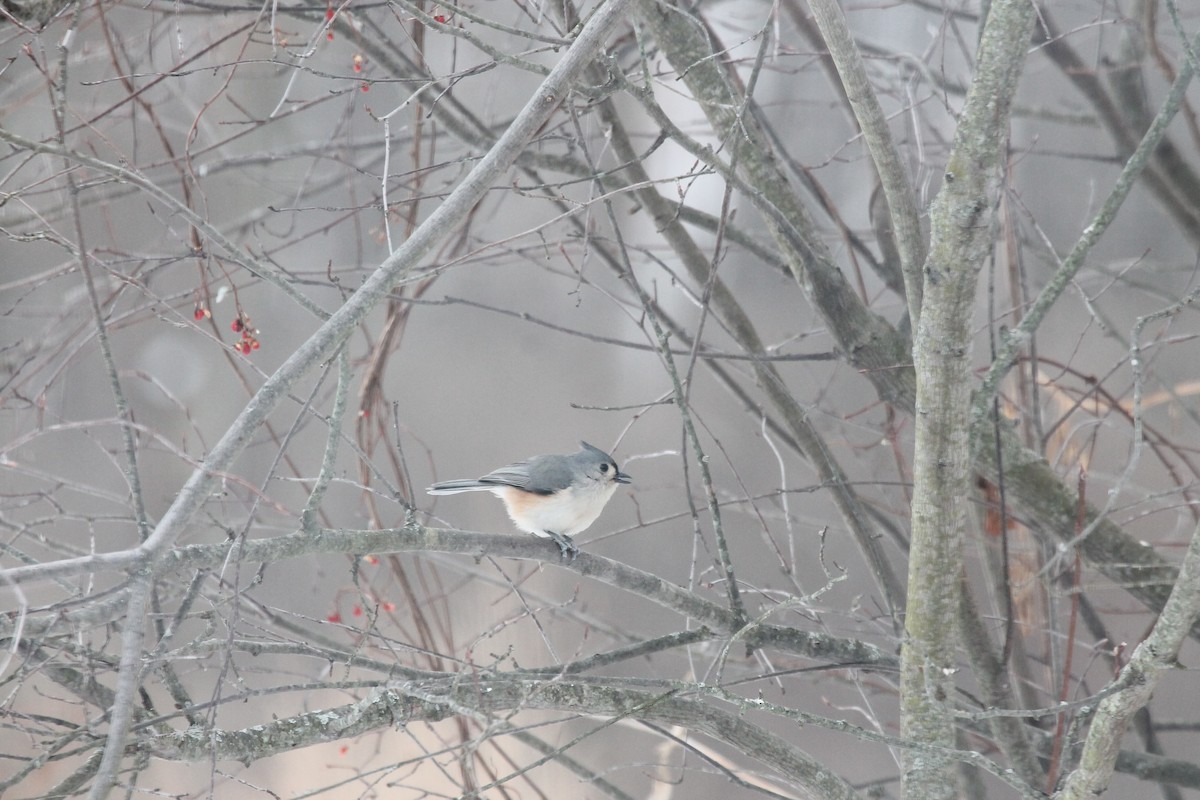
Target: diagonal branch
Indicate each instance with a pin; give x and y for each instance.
(901, 199)
(1151, 659)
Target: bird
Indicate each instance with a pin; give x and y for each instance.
(552, 496)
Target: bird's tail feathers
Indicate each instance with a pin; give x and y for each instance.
(454, 487)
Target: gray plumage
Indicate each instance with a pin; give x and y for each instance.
(539, 474)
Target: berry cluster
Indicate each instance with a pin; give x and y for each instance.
(241, 324)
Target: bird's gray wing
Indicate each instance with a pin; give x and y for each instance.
(542, 475)
(516, 474)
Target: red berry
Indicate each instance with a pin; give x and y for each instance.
(198, 314)
(237, 325)
(440, 18)
(366, 87)
(358, 611)
(334, 617)
(254, 344)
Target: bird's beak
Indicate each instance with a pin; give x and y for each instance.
(621, 477)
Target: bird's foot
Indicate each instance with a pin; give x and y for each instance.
(565, 544)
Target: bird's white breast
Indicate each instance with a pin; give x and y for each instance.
(567, 512)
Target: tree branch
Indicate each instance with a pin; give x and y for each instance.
(961, 238)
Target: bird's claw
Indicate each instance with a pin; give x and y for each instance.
(565, 544)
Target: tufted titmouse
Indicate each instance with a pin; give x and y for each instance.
(553, 496)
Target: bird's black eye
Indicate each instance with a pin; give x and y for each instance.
(604, 467)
